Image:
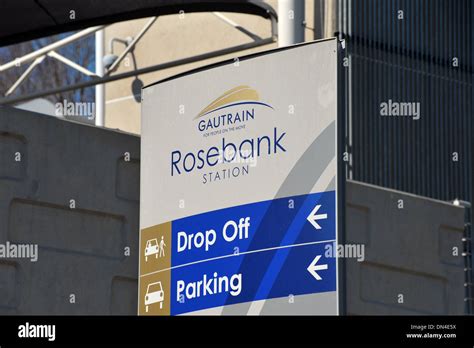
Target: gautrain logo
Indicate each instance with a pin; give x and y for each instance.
(234, 107)
(226, 114)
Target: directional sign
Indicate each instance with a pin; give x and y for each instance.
(239, 199)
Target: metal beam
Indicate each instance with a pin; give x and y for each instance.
(24, 75)
(178, 62)
(61, 58)
(45, 50)
(236, 26)
(131, 46)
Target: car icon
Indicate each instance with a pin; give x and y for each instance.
(154, 294)
(151, 248)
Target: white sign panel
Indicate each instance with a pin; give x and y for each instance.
(238, 210)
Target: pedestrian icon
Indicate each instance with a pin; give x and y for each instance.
(162, 247)
(154, 294)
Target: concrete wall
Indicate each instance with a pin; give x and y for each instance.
(81, 250)
(408, 251)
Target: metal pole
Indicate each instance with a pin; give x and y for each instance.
(330, 18)
(290, 22)
(318, 19)
(99, 70)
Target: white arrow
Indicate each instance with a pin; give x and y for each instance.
(313, 217)
(312, 268)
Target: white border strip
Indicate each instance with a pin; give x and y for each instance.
(239, 254)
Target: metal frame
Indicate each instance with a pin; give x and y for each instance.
(38, 56)
(341, 175)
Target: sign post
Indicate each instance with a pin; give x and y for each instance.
(239, 198)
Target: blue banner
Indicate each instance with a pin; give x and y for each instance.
(254, 276)
(253, 226)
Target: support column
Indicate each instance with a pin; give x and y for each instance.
(290, 22)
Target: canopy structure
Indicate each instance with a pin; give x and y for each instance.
(22, 20)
